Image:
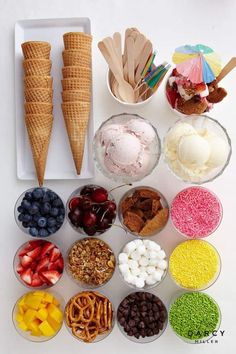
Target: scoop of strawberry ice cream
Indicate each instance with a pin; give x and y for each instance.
(110, 132)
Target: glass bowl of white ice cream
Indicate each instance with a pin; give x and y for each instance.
(197, 149)
(126, 148)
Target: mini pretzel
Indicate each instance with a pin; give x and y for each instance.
(89, 314)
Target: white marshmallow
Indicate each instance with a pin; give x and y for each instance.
(132, 264)
(135, 255)
(157, 275)
(130, 247)
(162, 264)
(129, 278)
(143, 275)
(123, 258)
(124, 268)
(161, 254)
(151, 270)
(153, 255)
(146, 243)
(139, 282)
(154, 246)
(135, 271)
(143, 268)
(150, 280)
(138, 242)
(153, 262)
(141, 249)
(143, 261)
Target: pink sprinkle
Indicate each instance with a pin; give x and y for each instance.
(196, 212)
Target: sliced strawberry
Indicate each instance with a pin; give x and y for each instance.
(54, 254)
(34, 265)
(35, 243)
(47, 247)
(59, 264)
(26, 276)
(24, 250)
(44, 280)
(26, 261)
(51, 275)
(35, 252)
(36, 280)
(43, 264)
(171, 96)
(19, 269)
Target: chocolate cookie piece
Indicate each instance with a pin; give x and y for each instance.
(192, 106)
(133, 221)
(156, 223)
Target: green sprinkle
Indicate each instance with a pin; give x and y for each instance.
(194, 315)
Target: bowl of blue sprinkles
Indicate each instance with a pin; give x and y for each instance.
(39, 212)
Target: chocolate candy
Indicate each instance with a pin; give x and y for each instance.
(142, 314)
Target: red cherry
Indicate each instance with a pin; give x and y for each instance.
(90, 230)
(99, 195)
(75, 217)
(74, 202)
(86, 203)
(89, 219)
(110, 206)
(87, 190)
(104, 224)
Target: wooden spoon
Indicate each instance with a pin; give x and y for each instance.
(118, 47)
(147, 50)
(130, 60)
(227, 69)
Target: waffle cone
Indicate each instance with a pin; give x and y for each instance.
(36, 67)
(76, 72)
(77, 40)
(75, 96)
(77, 57)
(39, 127)
(76, 116)
(38, 95)
(76, 84)
(36, 50)
(38, 108)
(38, 82)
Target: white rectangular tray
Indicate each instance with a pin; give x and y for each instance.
(60, 163)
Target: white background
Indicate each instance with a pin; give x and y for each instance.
(168, 24)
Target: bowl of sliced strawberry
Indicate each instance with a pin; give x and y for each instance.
(38, 264)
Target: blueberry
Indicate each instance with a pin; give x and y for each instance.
(33, 231)
(20, 209)
(32, 223)
(43, 233)
(57, 202)
(25, 224)
(27, 218)
(52, 230)
(62, 211)
(28, 196)
(26, 204)
(60, 219)
(51, 195)
(46, 198)
(42, 222)
(36, 217)
(51, 222)
(33, 210)
(37, 204)
(46, 208)
(21, 217)
(37, 193)
(54, 211)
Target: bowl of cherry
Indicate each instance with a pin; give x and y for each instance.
(91, 210)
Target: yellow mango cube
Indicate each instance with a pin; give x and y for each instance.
(33, 301)
(46, 329)
(56, 302)
(19, 317)
(42, 314)
(55, 313)
(36, 333)
(42, 305)
(48, 298)
(22, 325)
(29, 316)
(21, 305)
(39, 293)
(54, 324)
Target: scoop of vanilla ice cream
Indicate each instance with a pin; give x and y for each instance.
(124, 149)
(177, 132)
(141, 129)
(219, 151)
(193, 150)
(109, 132)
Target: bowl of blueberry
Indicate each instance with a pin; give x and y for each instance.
(39, 212)
(91, 210)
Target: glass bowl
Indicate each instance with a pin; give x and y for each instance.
(107, 218)
(146, 339)
(94, 276)
(26, 334)
(164, 204)
(89, 295)
(117, 167)
(29, 254)
(204, 173)
(146, 243)
(206, 336)
(186, 270)
(217, 204)
(49, 206)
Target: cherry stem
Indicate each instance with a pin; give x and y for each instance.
(122, 185)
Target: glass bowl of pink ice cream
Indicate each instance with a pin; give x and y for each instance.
(126, 148)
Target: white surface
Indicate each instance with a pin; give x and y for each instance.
(210, 22)
(60, 164)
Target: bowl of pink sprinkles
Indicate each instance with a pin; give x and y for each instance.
(196, 212)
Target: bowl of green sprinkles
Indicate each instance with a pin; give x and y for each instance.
(194, 317)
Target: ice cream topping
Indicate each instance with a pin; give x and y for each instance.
(195, 152)
(129, 148)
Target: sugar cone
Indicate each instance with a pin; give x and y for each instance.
(76, 116)
(39, 127)
(38, 108)
(77, 57)
(77, 40)
(37, 67)
(76, 72)
(38, 95)
(36, 50)
(76, 84)
(75, 96)
(38, 82)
